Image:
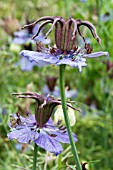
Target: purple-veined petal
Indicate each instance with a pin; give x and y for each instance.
(64, 137)
(24, 135)
(97, 54)
(60, 136)
(48, 143)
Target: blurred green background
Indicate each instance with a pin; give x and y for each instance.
(94, 125)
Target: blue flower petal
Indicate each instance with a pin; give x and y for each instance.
(97, 54)
(41, 59)
(71, 93)
(42, 39)
(22, 33)
(20, 40)
(62, 137)
(24, 135)
(48, 143)
(26, 65)
(76, 63)
(35, 29)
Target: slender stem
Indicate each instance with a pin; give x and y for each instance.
(35, 156)
(59, 161)
(64, 107)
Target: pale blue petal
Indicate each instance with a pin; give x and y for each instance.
(42, 39)
(35, 29)
(48, 143)
(23, 135)
(71, 93)
(62, 137)
(76, 63)
(20, 40)
(97, 54)
(22, 33)
(25, 64)
(41, 59)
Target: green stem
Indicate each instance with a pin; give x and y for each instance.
(64, 107)
(35, 156)
(59, 161)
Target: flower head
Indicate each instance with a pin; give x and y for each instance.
(51, 87)
(75, 58)
(65, 51)
(39, 127)
(65, 31)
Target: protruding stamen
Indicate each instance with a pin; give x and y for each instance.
(73, 108)
(40, 19)
(40, 27)
(18, 121)
(91, 27)
(81, 35)
(52, 135)
(62, 127)
(75, 28)
(59, 122)
(43, 104)
(18, 114)
(55, 21)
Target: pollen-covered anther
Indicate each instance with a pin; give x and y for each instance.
(18, 121)
(62, 127)
(65, 31)
(59, 122)
(52, 135)
(74, 59)
(88, 48)
(64, 131)
(52, 50)
(18, 114)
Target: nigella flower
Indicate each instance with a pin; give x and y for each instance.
(109, 68)
(65, 51)
(39, 127)
(23, 36)
(83, 0)
(50, 87)
(2, 112)
(106, 17)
